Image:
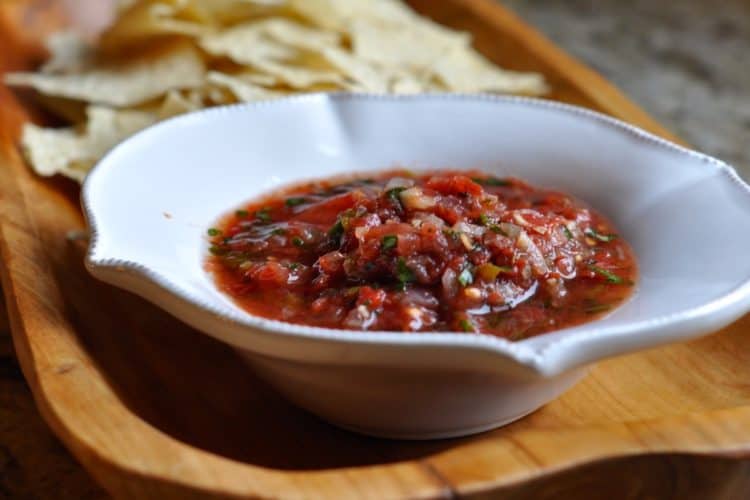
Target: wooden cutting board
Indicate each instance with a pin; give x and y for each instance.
(153, 409)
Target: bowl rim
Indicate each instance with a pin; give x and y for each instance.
(546, 358)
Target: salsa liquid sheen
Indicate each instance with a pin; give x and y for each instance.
(434, 251)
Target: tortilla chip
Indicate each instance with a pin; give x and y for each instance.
(242, 89)
(297, 35)
(273, 39)
(300, 77)
(246, 44)
(228, 12)
(261, 79)
(410, 83)
(468, 71)
(49, 151)
(174, 104)
(362, 73)
(69, 53)
(152, 74)
(144, 21)
(337, 14)
(396, 45)
(280, 49)
(73, 154)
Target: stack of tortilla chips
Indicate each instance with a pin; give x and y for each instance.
(167, 57)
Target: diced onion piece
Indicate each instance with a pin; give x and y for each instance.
(466, 240)
(415, 199)
(429, 218)
(521, 221)
(450, 285)
(535, 255)
(510, 230)
(523, 241)
(470, 229)
(399, 182)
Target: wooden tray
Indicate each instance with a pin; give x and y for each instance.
(152, 408)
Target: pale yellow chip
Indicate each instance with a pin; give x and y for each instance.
(242, 89)
(300, 77)
(416, 46)
(297, 35)
(50, 151)
(273, 38)
(145, 20)
(229, 12)
(335, 15)
(406, 82)
(468, 71)
(281, 49)
(261, 79)
(368, 77)
(68, 53)
(174, 104)
(73, 154)
(152, 74)
(246, 44)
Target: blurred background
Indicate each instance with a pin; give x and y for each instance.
(686, 62)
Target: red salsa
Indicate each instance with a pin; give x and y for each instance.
(435, 251)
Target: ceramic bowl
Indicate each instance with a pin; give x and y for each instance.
(687, 216)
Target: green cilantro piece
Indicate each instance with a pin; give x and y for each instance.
(278, 231)
(298, 242)
(403, 273)
(293, 202)
(393, 195)
(264, 214)
(610, 276)
(606, 238)
(388, 242)
(485, 220)
(596, 307)
(466, 325)
(568, 233)
(491, 181)
(213, 232)
(336, 232)
(241, 213)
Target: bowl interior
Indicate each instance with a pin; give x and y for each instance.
(685, 215)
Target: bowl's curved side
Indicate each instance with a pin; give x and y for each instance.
(340, 133)
(410, 402)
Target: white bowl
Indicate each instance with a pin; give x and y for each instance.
(687, 216)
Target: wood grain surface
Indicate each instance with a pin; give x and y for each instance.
(153, 409)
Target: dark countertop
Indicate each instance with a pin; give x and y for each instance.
(687, 63)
